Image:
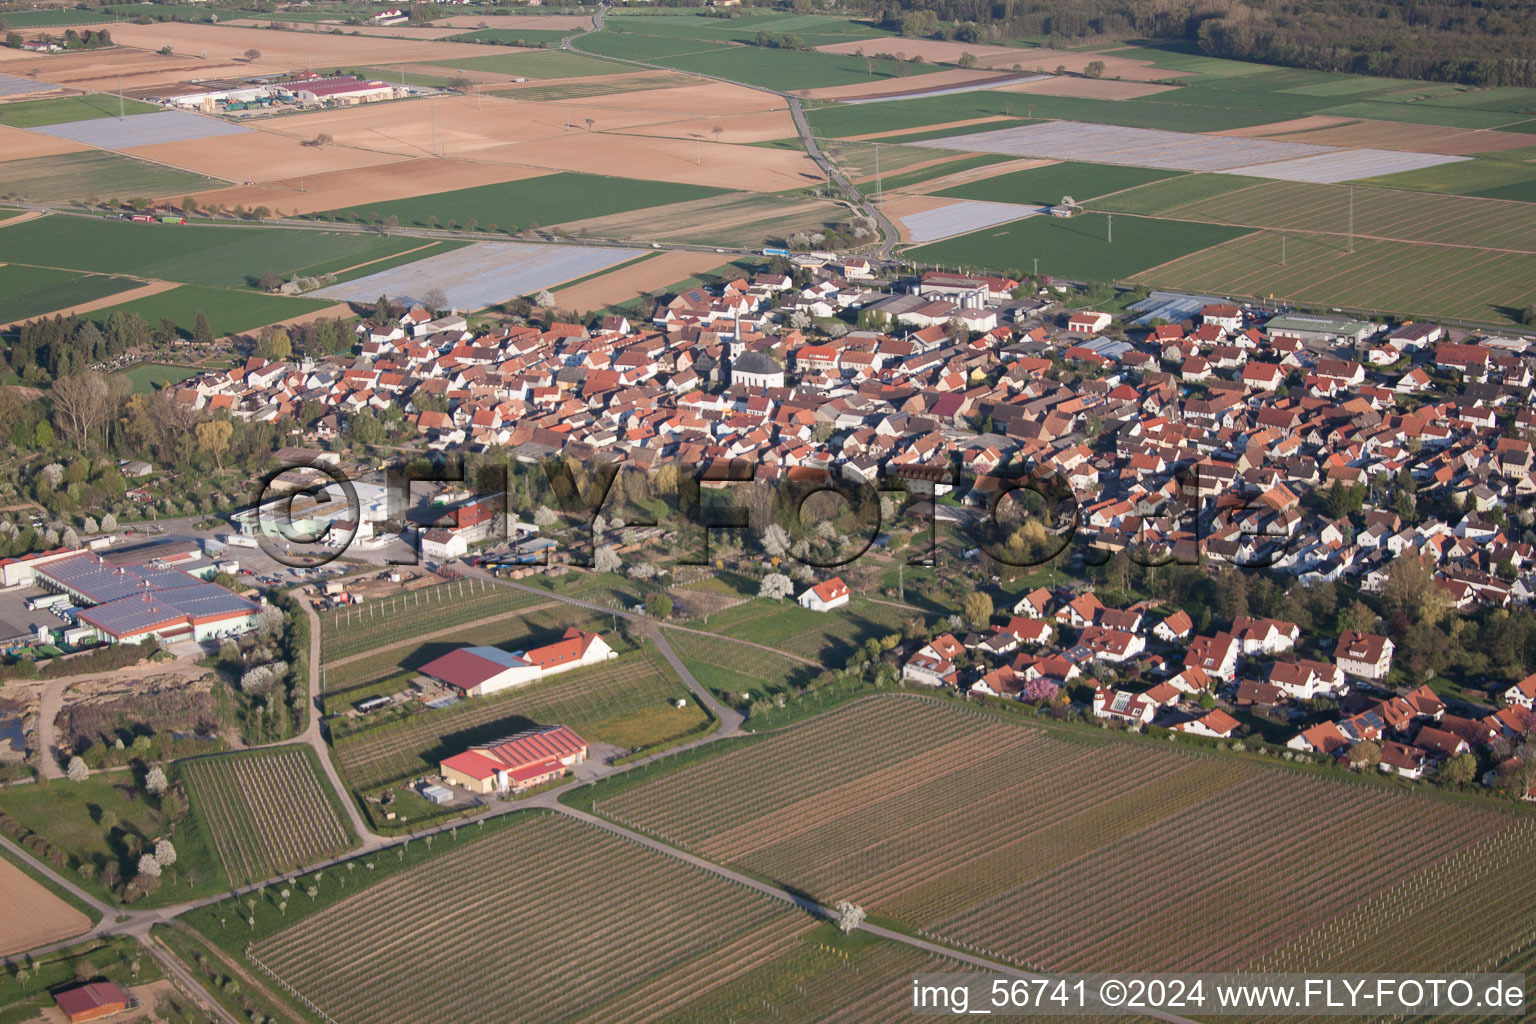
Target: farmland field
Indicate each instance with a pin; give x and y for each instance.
(577, 939)
(1160, 196)
(64, 109)
(353, 630)
(1077, 248)
(1406, 279)
(1378, 213)
(229, 311)
(34, 915)
(81, 176)
(724, 665)
(824, 636)
(1049, 184)
(594, 701)
(512, 37)
(191, 253)
(549, 199)
(996, 836)
(146, 377)
(33, 291)
(268, 812)
(1488, 178)
(536, 64)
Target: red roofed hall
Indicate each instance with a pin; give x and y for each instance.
(517, 762)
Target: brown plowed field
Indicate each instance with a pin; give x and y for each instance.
(258, 156)
(1087, 88)
(895, 86)
(518, 22)
(33, 915)
(636, 279)
(398, 179)
(285, 51)
(1413, 138)
(1029, 58)
(18, 144)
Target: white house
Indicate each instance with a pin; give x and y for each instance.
(1216, 724)
(1364, 655)
(1523, 693)
(1133, 709)
(439, 544)
(824, 597)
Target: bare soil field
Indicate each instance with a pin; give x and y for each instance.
(469, 74)
(535, 135)
(1413, 138)
(745, 220)
(715, 99)
(285, 51)
(117, 298)
(1088, 88)
(733, 129)
(518, 22)
(1297, 124)
(19, 144)
(1027, 58)
(142, 73)
(258, 156)
(937, 127)
(33, 915)
(325, 27)
(545, 90)
(635, 279)
(397, 179)
(896, 86)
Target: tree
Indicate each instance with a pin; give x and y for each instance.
(201, 332)
(849, 915)
(253, 54)
(1364, 754)
(270, 281)
(213, 437)
(82, 405)
(967, 60)
(435, 300)
(978, 608)
(78, 772)
(269, 621)
(776, 540)
(275, 345)
(776, 585)
(607, 559)
(1459, 770)
(155, 782)
(165, 853)
(544, 517)
(658, 605)
(545, 298)
(1095, 69)
(148, 866)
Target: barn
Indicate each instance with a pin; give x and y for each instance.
(93, 1001)
(476, 671)
(518, 762)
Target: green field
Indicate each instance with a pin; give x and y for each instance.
(228, 311)
(1050, 184)
(1076, 248)
(511, 36)
(146, 377)
(1411, 279)
(536, 64)
(550, 199)
(1170, 193)
(828, 637)
(813, 29)
(360, 628)
(97, 174)
(60, 109)
(193, 253)
(908, 179)
(600, 702)
(48, 19)
(1487, 177)
(32, 291)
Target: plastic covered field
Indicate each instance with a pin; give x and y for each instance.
(961, 218)
(141, 129)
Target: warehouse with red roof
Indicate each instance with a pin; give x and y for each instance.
(519, 762)
(476, 671)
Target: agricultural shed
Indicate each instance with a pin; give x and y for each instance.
(93, 1001)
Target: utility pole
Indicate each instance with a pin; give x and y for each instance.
(879, 193)
(1037, 266)
(1109, 218)
(1282, 249)
(434, 128)
(1351, 218)
(120, 111)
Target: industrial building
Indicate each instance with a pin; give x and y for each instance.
(519, 762)
(476, 671)
(129, 603)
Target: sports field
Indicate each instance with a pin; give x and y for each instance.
(549, 199)
(1015, 826)
(1415, 279)
(76, 177)
(1078, 248)
(1047, 185)
(32, 291)
(229, 310)
(191, 253)
(66, 109)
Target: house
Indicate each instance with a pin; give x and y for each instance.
(1217, 655)
(1087, 321)
(1132, 709)
(476, 671)
(93, 1001)
(1265, 636)
(824, 597)
(1215, 723)
(518, 762)
(928, 669)
(1364, 655)
(1081, 611)
(440, 544)
(1112, 645)
(1407, 761)
(1175, 627)
(1523, 693)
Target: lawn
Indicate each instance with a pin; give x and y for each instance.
(1076, 248)
(192, 253)
(94, 175)
(1413, 279)
(828, 637)
(1050, 184)
(229, 311)
(32, 291)
(62, 109)
(536, 64)
(146, 377)
(549, 199)
(73, 816)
